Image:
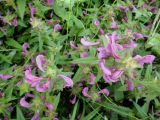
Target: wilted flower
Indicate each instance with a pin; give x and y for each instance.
(113, 24)
(92, 79)
(85, 92)
(68, 81)
(5, 77)
(14, 22)
(148, 59)
(40, 60)
(130, 85)
(24, 103)
(57, 27)
(104, 91)
(32, 10)
(49, 2)
(88, 44)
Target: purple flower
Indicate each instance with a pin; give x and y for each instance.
(30, 95)
(44, 87)
(68, 81)
(148, 59)
(49, 2)
(72, 45)
(104, 91)
(85, 92)
(36, 117)
(14, 22)
(114, 77)
(73, 101)
(88, 44)
(96, 23)
(84, 54)
(32, 10)
(24, 103)
(49, 106)
(57, 27)
(113, 24)
(105, 70)
(5, 77)
(40, 60)
(131, 44)
(101, 31)
(130, 85)
(124, 9)
(137, 36)
(112, 47)
(31, 79)
(102, 54)
(25, 46)
(92, 79)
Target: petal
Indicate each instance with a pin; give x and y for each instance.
(49, 106)
(131, 44)
(148, 59)
(49, 2)
(57, 27)
(104, 91)
(105, 70)
(29, 76)
(102, 53)
(73, 101)
(130, 85)
(137, 35)
(68, 81)
(40, 60)
(23, 103)
(72, 45)
(87, 44)
(84, 54)
(32, 10)
(101, 31)
(96, 23)
(93, 78)
(36, 117)
(5, 77)
(113, 24)
(14, 22)
(85, 92)
(25, 46)
(117, 74)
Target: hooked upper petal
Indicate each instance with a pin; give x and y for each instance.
(105, 70)
(40, 60)
(148, 59)
(29, 76)
(5, 77)
(104, 91)
(49, 106)
(57, 27)
(93, 78)
(24, 103)
(68, 81)
(87, 44)
(85, 92)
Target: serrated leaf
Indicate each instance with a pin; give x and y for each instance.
(13, 43)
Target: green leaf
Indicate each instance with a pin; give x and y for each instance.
(78, 22)
(56, 101)
(87, 60)
(20, 115)
(5, 58)
(21, 7)
(74, 111)
(92, 114)
(13, 43)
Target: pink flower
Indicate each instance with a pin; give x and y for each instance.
(130, 85)
(72, 45)
(102, 54)
(49, 22)
(113, 24)
(40, 60)
(137, 36)
(96, 23)
(24, 103)
(105, 70)
(36, 117)
(5, 77)
(93, 78)
(68, 81)
(88, 44)
(31, 79)
(104, 91)
(112, 47)
(84, 54)
(25, 46)
(44, 87)
(32, 10)
(49, 106)
(57, 27)
(14, 22)
(114, 77)
(148, 59)
(85, 92)
(49, 2)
